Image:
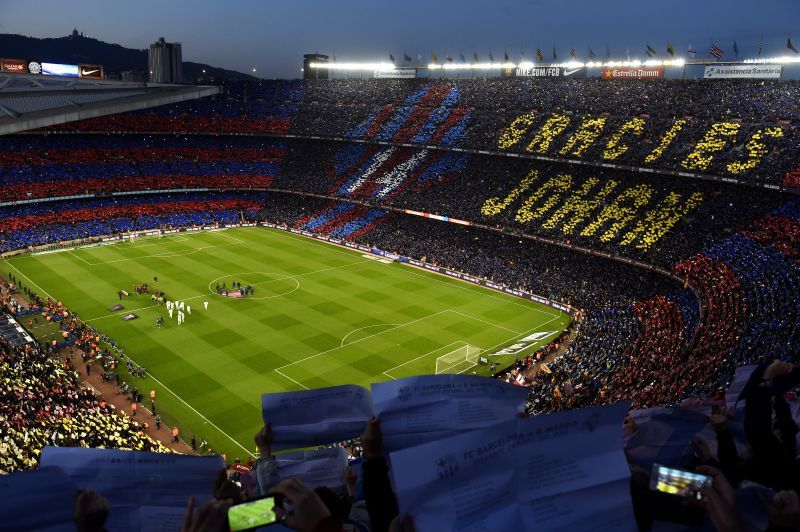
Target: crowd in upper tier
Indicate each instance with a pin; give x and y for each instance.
(737, 129)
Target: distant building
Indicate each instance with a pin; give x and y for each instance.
(138, 76)
(165, 61)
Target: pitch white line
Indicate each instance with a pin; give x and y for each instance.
(29, 280)
(486, 322)
(291, 379)
(366, 327)
(211, 293)
(464, 285)
(170, 254)
(438, 277)
(80, 258)
(193, 409)
(421, 356)
(362, 339)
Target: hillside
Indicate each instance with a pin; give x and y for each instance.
(75, 48)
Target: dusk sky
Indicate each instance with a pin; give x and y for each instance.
(272, 35)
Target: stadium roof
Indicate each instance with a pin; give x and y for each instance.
(33, 101)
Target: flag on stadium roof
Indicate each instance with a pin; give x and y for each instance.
(539, 54)
(716, 51)
(434, 59)
(691, 52)
(651, 52)
(608, 52)
(334, 57)
(406, 57)
(505, 57)
(670, 50)
(555, 55)
(461, 57)
(760, 45)
(391, 58)
(475, 57)
(790, 46)
(573, 54)
(491, 58)
(592, 55)
(735, 50)
(448, 58)
(419, 57)
(521, 55)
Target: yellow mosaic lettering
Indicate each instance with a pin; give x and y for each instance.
(666, 141)
(615, 147)
(516, 130)
(494, 206)
(756, 150)
(580, 205)
(621, 212)
(587, 133)
(555, 186)
(714, 141)
(661, 219)
(554, 126)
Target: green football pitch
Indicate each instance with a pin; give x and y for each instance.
(321, 315)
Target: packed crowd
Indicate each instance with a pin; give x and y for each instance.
(38, 224)
(657, 219)
(34, 166)
(257, 107)
(44, 402)
(743, 447)
(637, 327)
(734, 128)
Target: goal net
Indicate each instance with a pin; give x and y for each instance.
(458, 360)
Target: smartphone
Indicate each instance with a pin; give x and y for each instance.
(679, 482)
(252, 514)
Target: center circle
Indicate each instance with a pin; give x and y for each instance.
(267, 285)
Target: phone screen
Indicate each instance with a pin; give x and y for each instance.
(678, 482)
(252, 514)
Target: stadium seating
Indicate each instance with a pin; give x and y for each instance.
(733, 299)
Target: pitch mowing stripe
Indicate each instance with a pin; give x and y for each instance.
(28, 279)
(221, 360)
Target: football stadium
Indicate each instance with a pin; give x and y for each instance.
(546, 290)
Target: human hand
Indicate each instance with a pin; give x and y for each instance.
(224, 489)
(372, 439)
(211, 517)
(783, 509)
(306, 509)
(264, 440)
(721, 501)
(719, 417)
(701, 449)
(777, 368)
(402, 524)
(350, 480)
(91, 511)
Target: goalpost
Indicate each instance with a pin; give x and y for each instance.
(458, 360)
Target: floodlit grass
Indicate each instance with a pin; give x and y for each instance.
(321, 315)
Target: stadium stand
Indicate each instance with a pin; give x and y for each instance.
(672, 344)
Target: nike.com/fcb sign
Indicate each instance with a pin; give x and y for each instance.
(90, 71)
(550, 72)
(631, 72)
